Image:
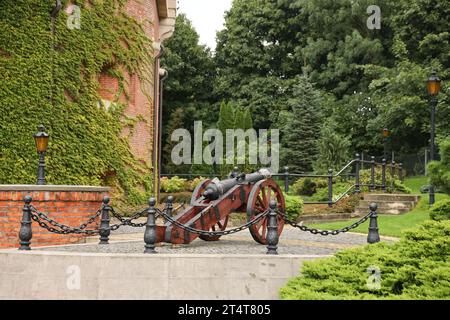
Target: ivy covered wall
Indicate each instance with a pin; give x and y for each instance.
(87, 143)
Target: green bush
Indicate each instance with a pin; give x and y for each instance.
(307, 186)
(338, 190)
(294, 207)
(175, 184)
(416, 267)
(440, 210)
(439, 171)
(390, 181)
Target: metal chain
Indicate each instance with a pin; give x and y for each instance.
(325, 232)
(128, 221)
(214, 233)
(37, 216)
(54, 223)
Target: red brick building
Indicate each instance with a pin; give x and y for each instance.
(158, 18)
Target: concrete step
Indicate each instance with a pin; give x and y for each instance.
(393, 211)
(375, 197)
(388, 204)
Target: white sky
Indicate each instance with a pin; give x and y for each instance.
(207, 17)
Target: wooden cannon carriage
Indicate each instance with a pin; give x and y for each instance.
(213, 201)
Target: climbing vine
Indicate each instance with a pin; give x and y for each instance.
(57, 85)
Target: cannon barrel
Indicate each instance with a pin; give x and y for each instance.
(217, 188)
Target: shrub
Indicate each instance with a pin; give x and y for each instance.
(338, 190)
(439, 171)
(175, 184)
(307, 186)
(294, 207)
(440, 210)
(416, 267)
(390, 180)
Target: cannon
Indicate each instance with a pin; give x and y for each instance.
(213, 201)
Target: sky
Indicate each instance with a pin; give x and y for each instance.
(207, 17)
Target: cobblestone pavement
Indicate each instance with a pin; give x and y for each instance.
(292, 241)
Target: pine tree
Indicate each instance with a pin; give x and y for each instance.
(302, 128)
(175, 122)
(226, 117)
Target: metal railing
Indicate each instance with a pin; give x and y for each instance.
(354, 166)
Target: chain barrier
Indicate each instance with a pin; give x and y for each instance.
(325, 232)
(39, 216)
(213, 233)
(128, 221)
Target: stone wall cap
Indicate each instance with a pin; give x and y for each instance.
(29, 187)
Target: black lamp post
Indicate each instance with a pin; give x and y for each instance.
(385, 141)
(41, 140)
(433, 86)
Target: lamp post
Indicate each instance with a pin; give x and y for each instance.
(385, 141)
(41, 140)
(433, 86)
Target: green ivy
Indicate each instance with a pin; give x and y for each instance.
(86, 145)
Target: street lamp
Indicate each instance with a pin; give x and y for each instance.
(41, 140)
(433, 86)
(385, 141)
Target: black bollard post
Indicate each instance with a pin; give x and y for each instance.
(169, 205)
(357, 184)
(383, 176)
(272, 233)
(392, 175)
(105, 229)
(330, 188)
(150, 228)
(286, 179)
(373, 236)
(372, 174)
(400, 171)
(25, 233)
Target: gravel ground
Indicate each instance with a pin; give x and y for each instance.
(292, 241)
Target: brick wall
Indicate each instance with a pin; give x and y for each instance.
(140, 104)
(67, 207)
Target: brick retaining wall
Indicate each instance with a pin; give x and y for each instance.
(70, 205)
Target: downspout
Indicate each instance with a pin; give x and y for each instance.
(155, 124)
(162, 78)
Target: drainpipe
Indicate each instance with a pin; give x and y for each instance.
(156, 123)
(163, 76)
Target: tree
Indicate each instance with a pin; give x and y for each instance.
(333, 151)
(301, 127)
(187, 90)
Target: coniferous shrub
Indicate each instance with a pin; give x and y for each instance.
(416, 267)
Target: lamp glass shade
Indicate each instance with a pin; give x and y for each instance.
(385, 133)
(41, 139)
(433, 84)
(41, 143)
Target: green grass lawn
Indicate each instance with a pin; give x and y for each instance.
(414, 183)
(390, 225)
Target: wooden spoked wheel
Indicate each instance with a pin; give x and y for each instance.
(199, 189)
(219, 226)
(258, 201)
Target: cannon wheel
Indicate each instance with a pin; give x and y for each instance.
(220, 225)
(197, 193)
(258, 201)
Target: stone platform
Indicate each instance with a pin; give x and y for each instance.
(235, 267)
